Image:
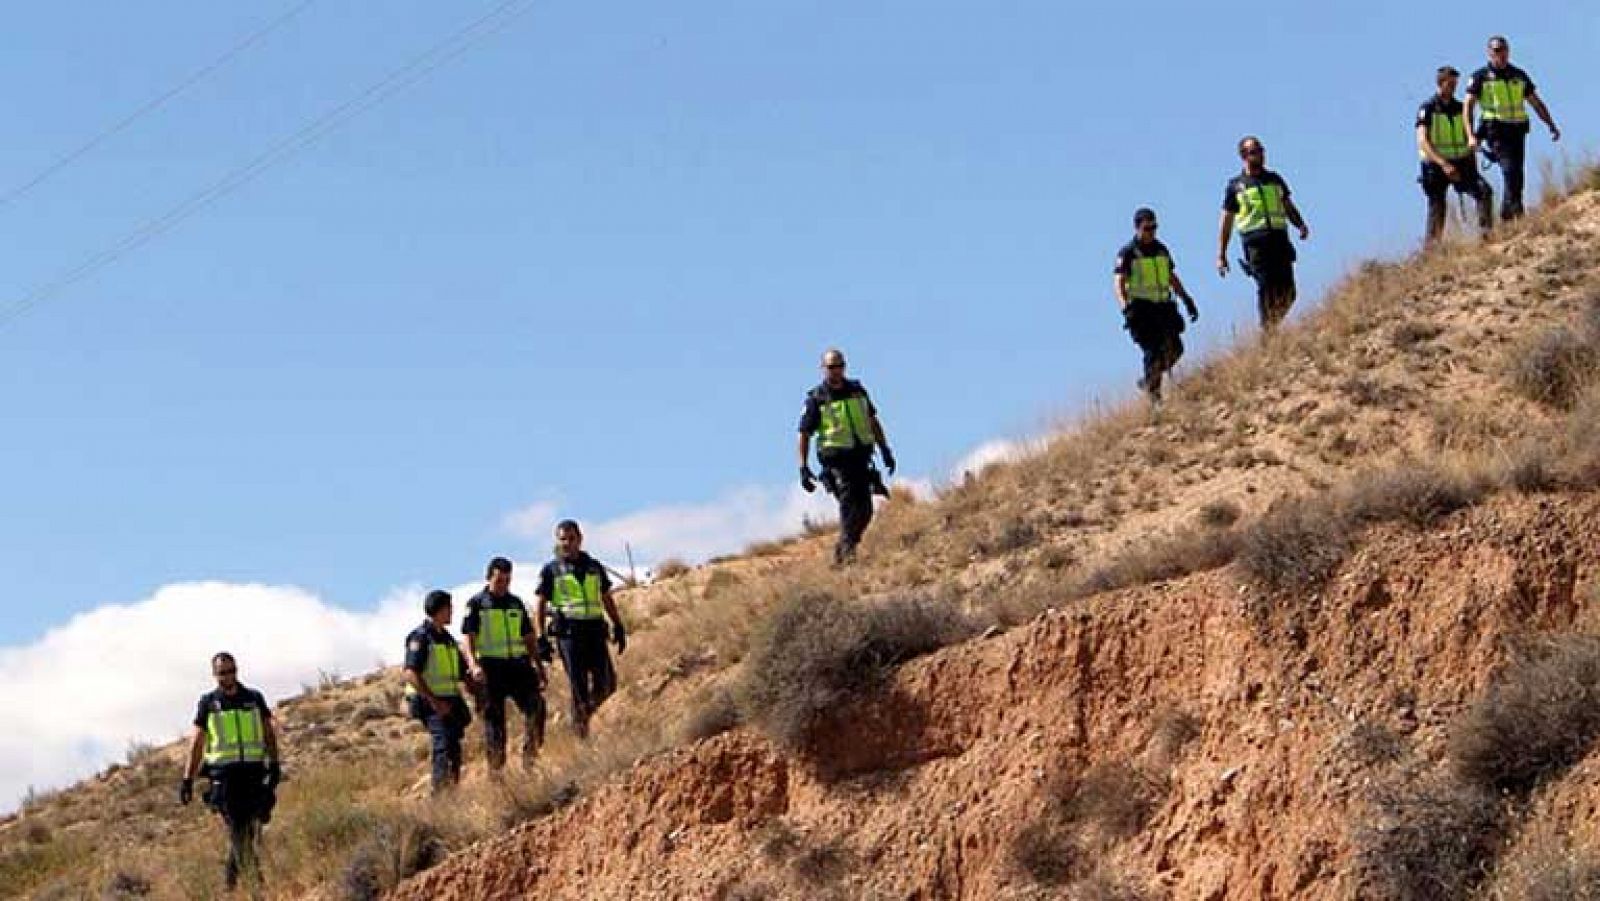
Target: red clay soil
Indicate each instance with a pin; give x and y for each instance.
(922, 791)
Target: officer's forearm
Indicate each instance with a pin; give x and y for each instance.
(1467, 109)
(1224, 233)
(877, 432)
(470, 650)
(539, 617)
(804, 448)
(1426, 146)
(1542, 110)
(415, 680)
(1119, 287)
(197, 749)
(611, 608)
(1179, 289)
(272, 741)
(1294, 214)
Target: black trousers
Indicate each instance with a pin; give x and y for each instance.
(1509, 144)
(444, 735)
(1468, 183)
(512, 679)
(1156, 328)
(849, 476)
(590, 676)
(238, 792)
(1271, 259)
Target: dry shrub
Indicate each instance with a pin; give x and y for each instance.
(1004, 536)
(821, 864)
(1413, 332)
(1551, 871)
(1297, 545)
(712, 713)
(1428, 840)
(671, 568)
(397, 849)
(1531, 467)
(123, 884)
(1047, 851)
(816, 650)
(1553, 367)
(1170, 730)
(1115, 799)
(1540, 719)
(1415, 493)
(1370, 743)
(1105, 885)
(1219, 514)
(1168, 557)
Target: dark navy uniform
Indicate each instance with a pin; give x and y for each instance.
(497, 625)
(1507, 139)
(1435, 184)
(239, 789)
(431, 652)
(580, 631)
(1268, 252)
(847, 471)
(1155, 325)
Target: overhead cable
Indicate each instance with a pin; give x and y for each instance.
(397, 80)
(153, 104)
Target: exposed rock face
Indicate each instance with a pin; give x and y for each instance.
(922, 791)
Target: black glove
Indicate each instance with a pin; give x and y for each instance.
(808, 479)
(1127, 317)
(543, 648)
(620, 636)
(1194, 311)
(888, 457)
(185, 791)
(274, 774)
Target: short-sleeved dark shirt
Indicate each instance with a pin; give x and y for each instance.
(242, 699)
(1490, 73)
(483, 600)
(1134, 250)
(1230, 194)
(419, 646)
(582, 567)
(811, 414)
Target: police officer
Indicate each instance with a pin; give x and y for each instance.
(436, 681)
(1502, 93)
(234, 736)
(1444, 141)
(1145, 281)
(1257, 202)
(501, 654)
(841, 415)
(575, 596)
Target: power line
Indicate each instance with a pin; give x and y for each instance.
(153, 104)
(397, 80)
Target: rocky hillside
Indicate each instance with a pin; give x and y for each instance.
(1320, 630)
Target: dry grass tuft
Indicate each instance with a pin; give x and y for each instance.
(1429, 840)
(1297, 545)
(816, 650)
(670, 568)
(1553, 367)
(1540, 719)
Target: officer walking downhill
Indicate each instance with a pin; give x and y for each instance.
(842, 416)
(1257, 202)
(436, 681)
(1502, 94)
(500, 644)
(1444, 141)
(575, 599)
(234, 736)
(1145, 281)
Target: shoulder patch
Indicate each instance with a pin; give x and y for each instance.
(414, 645)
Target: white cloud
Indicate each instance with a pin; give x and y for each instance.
(987, 454)
(125, 673)
(690, 532)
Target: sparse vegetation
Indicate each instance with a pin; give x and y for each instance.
(1429, 839)
(816, 650)
(1296, 546)
(1553, 367)
(670, 568)
(1540, 719)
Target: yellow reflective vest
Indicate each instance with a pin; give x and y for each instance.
(576, 598)
(235, 736)
(500, 632)
(1263, 205)
(1149, 277)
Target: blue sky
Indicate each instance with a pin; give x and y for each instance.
(588, 267)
